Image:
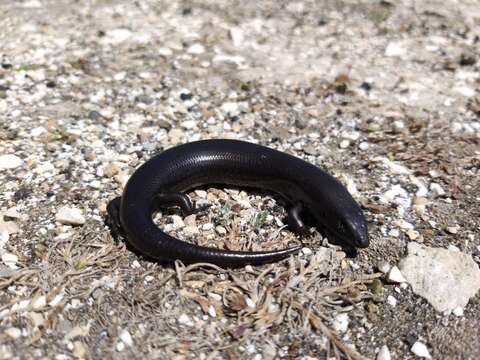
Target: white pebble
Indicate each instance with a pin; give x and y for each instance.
(436, 190)
(340, 323)
(207, 226)
(458, 311)
(211, 311)
(184, 319)
(306, 251)
(201, 193)
(221, 230)
(10, 260)
(363, 146)
(70, 216)
(126, 337)
(391, 301)
(177, 222)
(196, 49)
(120, 346)
(384, 353)
(344, 144)
(13, 332)
(395, 275)
(10, 161)
(395, 49)
(420, 350)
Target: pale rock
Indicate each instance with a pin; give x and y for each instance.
(126, 338)
(189, 124)
(236, 34)
(436, 190)
(111, 169)
(10, 260)
(413, 234)
(384, 353)
(230, 108)
(207, 226)
(395, 49)
(196, 49)
(458, 311)
(70, 216)
(190, 220)
(420, 349)
(446, 279)
(184, 319)
(13, 332)
(117, 36)
(392, 301)
(306, 251)
(120, 346)
(395, 276)
(363, 146)
(190, 230)
(211, 311)
(344, 144)
(220, 230)
(396, 169)
(44, 168)
(165, 51)
(452, 229)
(201, 193)
(178, 222)
(10, 161)
(384, 267)
(340, 322)
(38, 303)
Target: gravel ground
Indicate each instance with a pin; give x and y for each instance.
(384, 95)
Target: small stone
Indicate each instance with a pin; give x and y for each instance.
(44, 168)
(340, 323)
(384, 353)
(196, 49)
(306, 251)
(391, 301)
(413, 234)
(13, 332)
(70, 216)
(452, 229)
(420, 349)
(184, 319)
(446, 279)
(384, 267)
(38, 303)
(458, 311)
(190, 220)
(436, 190)
(363, 146)
(344, 144)
(395, 276)
(395, 49)
(165, 52)
(10, 260)
(207, 226)
(201, 193)
(220, 230)
(178, 222)
(211, 311)
(120, 346)
(126, 338)
(10, 161)
(189, 124)
(80, 350)
(111, 169)
(230, 108)
(190, 230)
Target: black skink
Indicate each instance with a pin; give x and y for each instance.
(162, 181)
